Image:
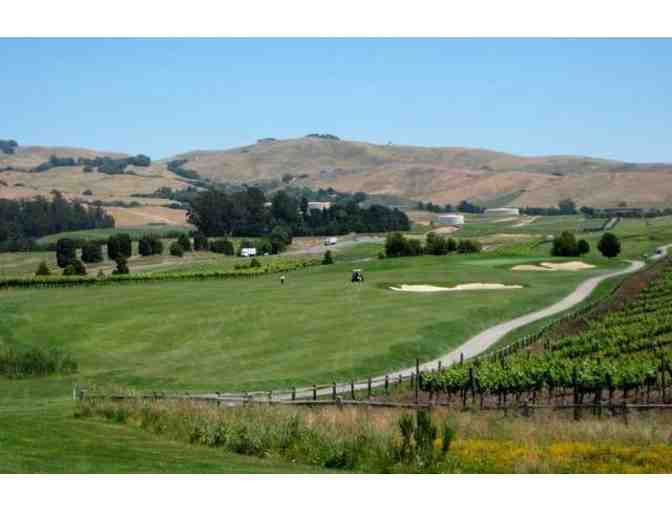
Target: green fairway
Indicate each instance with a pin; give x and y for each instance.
(257, 334)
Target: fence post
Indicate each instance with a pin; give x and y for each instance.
(417, 380)
(270, 395)
(314, 392)
(387, 385)
(439, 365)
(333, 390)
(368, 384)
(293, 393)
(352, 389)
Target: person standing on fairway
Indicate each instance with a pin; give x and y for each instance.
(282, 280)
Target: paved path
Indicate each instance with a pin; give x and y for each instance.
(479, 343)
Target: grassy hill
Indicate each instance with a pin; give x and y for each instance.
(441, 175)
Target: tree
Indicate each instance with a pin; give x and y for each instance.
(43, 269)
(565, 245)
(157, 245)
(200, 241)
(328, 259)
(65, 252)
(583, 247)
(184, 241)
(609, 245)
(176, 249)
(122, 266)
(567, 206)
(92, 252)
(145, 247)
(119, 245)
(435, 244)
(279, 239)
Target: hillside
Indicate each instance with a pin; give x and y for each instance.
(441, 175)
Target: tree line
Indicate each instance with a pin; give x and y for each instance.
(22, 221)
(104, 165)
(245, 213)
(397, 245)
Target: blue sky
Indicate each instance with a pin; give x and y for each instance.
(605, 98)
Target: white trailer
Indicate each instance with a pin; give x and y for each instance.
(331, 241)
(248, 252)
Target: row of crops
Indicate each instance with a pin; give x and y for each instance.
(78, 281)
(625, 353)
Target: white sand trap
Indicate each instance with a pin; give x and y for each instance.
(554, 266)
(464, 286)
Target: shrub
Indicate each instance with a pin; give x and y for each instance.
(609, 245)
(122, 266)
(150, 245)
(43, 269)
(254, 263)
(222, 246)
(280, 239)
(436, 245)
(396, 245)
(328, 259)
(65, 252)
(92, 252)
(176, 249)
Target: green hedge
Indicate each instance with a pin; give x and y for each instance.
(78, 281)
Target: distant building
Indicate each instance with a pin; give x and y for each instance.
(449, 219)
(319, 206)
(503, 211)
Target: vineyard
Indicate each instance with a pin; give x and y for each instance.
(621, 356)
(78, 281)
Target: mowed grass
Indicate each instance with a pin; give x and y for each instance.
(258, 334)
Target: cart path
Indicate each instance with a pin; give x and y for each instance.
(479, 343)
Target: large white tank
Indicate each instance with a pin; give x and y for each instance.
(449, 219)
(503, 211)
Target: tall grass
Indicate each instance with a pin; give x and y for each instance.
(389, 441)
(17, 362)
(349, 441)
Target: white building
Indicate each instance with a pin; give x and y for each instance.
(319, 206)
(449, 219)
(503, 211)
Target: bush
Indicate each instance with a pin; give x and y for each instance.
(150, 245)
(254, 263)
(122, 266)
(75, 268)
(176, 249)
(43, 269)
(184, 242)
(222, 246)
(396, 245)
(609, 245)
(280, 239)
(200, 242)
(65, 252)
(92, 252)
(328, 259)
(437, 245)
(17, 362)
(468, 246)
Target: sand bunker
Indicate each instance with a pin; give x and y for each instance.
(553, 266)
(464, 286)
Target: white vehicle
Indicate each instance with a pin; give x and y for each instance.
(331, 241)
(248, 252)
